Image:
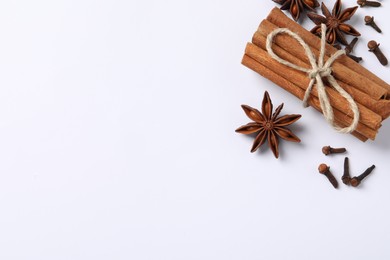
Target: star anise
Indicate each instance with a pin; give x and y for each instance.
(296, 6)
(335, 26)
(268, 126)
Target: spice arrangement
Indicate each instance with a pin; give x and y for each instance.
(314, 67)
(370, 93)
(335, 21)
(346, 178)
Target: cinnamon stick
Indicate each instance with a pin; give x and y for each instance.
(380, 107)
(367, 117)
(369, 80)
(362, 132)
(340, 71)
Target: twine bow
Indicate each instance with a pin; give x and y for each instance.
(318, 71)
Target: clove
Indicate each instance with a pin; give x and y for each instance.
(346, 178)
(355, 181)
(363, 3)
(330, 150)
(373, 46)
(324, 169)
(369, 20)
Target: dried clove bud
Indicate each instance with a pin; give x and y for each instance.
(348, 49)
(351, 45)
(324, 169)
(355, 58)
(329, 150)
(355, 181)
(363, 3)
(373, 46)
(346, 178)
(369, 20)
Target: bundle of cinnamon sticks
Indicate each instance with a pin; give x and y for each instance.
(371, 93)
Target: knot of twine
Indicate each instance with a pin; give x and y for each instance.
(318, 71)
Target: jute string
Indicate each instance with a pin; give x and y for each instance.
(316, 73)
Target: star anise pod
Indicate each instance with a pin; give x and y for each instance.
(296, 6)
(268, 126)
(335, 26)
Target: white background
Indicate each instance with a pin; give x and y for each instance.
(117, 140)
